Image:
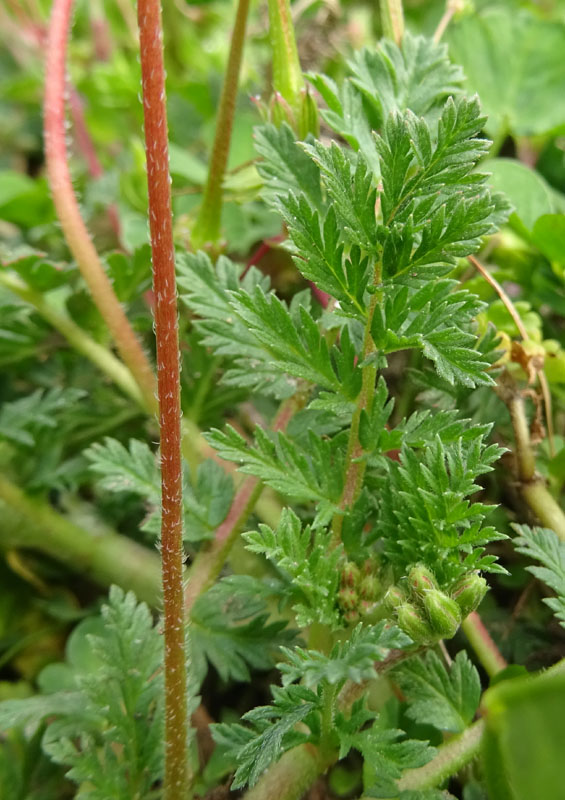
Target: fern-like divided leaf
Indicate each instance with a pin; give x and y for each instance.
(543, 545)
(309, 562)
(272, 734)
(435, 319)
(424, 513)
(352, 660)
(135, 470)
(307, 475)
(445, 698)
(107, 731)
(229, 627)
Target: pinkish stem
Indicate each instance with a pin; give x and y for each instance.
(86, 147)
(177, 778)
(74, 229)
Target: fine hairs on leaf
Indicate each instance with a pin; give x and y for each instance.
(358, 416)
(543, 545)
(378, 225)
(108, 726)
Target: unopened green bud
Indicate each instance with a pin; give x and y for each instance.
(468, 592)
(366, 607)
(308, 118)
(348, 598)
(352, 616)
(414, 624)
(280, 111)
(369, 587)
(421, 580)
(371, 566)
(443, 612)
(350, 575)
(393, 598)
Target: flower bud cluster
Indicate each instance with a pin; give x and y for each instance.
(302, 116)
(359, 590)
(428, 614)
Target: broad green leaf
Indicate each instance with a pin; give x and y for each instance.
(529, 194)
(548, 235)
(525, 731)
(513, 59)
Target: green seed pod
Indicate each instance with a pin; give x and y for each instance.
(393, 598)
(468, 592)
(369, 588)
(348, 599)
(421, 580)
(414, 624)
(308, 118)
(350, 575)
(443, 612)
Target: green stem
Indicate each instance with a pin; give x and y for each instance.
(451, 757)
(327, 734)
(106, 558)
(75, 335)
(287, 73)
(532, 487)
(481, 642)
(355, 464)
(207, 228)
(392, 20)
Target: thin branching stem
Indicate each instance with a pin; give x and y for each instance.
(177, 777)
(66, 204)
(207, 229)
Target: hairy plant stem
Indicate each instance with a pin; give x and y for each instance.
(74, 229)
(106, 557)
(451, 757)
(287, 73)
(392, 20)
(479, 639)
(177, 779)
(207, 229)
(354, 463)
(209, 562)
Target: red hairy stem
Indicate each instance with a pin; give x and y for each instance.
(66, 204)
(177, 778)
